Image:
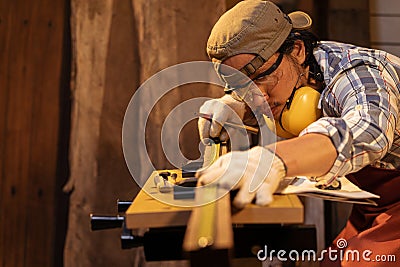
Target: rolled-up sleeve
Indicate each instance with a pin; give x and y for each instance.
(360, 115)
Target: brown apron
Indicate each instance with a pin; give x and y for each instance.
(372, 230)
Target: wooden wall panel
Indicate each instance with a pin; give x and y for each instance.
(348, 21)
(384, 29)
(31, 53)
(117, 45)
(384, 24)
(104, 77)
(384, 7)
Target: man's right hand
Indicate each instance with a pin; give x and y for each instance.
(221, 110)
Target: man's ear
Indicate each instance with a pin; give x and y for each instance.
(299, 51)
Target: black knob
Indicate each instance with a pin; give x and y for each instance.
(130, 241)
(105, 222)
(123, 205)
(165, 175)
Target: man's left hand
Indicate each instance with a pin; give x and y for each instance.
(255, 172)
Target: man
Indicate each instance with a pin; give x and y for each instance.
(358, 135)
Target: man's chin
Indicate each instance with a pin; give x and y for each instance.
(276, 112)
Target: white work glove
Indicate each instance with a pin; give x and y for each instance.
(222, 110)
(255, 172)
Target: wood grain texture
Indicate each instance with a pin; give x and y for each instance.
(213, 229)
(117, 45)
(148, 211)
(103, 80)
(31, 53)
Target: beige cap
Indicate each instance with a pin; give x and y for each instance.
(253, 27)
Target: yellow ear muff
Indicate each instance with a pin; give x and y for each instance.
(302, 112)
(281, 132)
(276, 128)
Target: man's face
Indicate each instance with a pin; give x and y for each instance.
(276, 87)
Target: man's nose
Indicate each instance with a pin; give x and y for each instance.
(260, 99)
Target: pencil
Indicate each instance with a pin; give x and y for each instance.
(250, 129)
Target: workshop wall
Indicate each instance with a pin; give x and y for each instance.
(34, 129)
(384, 23)
(348, 21)
(117, 45)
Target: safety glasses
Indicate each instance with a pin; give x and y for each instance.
(244, 90)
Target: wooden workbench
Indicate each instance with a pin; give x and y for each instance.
(149, 211)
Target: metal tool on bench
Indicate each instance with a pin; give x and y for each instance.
(181, 182)
(176, 181)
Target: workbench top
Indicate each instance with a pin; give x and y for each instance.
(150, 209)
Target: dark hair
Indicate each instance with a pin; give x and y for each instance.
(310, 42)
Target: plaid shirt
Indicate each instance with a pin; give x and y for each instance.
(361, 105)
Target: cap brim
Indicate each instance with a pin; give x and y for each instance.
(300, 20)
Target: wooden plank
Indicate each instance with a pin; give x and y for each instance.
(17, 140)
(149, 210)
(29, 84)
(210, 225)
(209, 234)
(5, 16)
(104, 77)
(47, 34)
